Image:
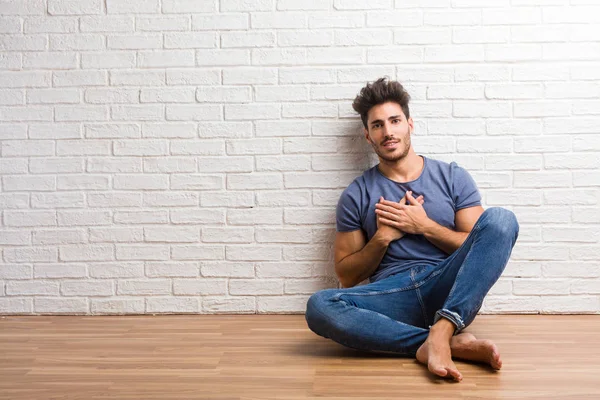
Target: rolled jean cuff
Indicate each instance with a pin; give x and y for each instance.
(452, 317)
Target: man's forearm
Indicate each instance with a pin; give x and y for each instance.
(357, 267)
(444, 238)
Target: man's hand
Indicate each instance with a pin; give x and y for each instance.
(405, 218)
(387, 230)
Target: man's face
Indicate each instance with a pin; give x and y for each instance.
(388, 131)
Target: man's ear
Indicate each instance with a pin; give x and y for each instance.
(411, 124)
(366, 132)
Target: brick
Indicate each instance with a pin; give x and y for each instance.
(83, 41)
(169, 130)
(161, 24)
(197, 216)
(171, 269)
(278, 20)
(23, 42)
(83, 182)
(191, 40)
(309, 38)
(57, 200)
(282, 128)
(339, 20)
(169, 164)
(50, 60)
(307, 216)
(247, 5)
(224, 94)
(227, 235)
(59, 236)
(172, 234)
(288, 198)
(222, 57)
(253, 253)
(29, 218)
(255, 287)
(166, 58)
(13, 166)
(254, 216)
(362, 37)
(225, 164)
(86, 253)
(227, 199)
(117, 306)
(174, 305)
(15, 238)
(282, 163)
(87, 288)
(107, 24)
(249, 76)
(140, 78)
(133, 6)
(225, 129)
(74, 7)
(282, 235)
(188, 6)
(61, 306)
(141, 182)
(25, 114)
(236, 112)
(197, 252)
(110, 164)
(149, 287)
(196, 182)
(24, 79)
(49, 25)
(283, 305)
(247, 39)
(141, 217)
(114, 199)
(254, 181)
(57, 271)
(32, 288)
(142, 252)
(116, 235)
(111, 131)
(227, 269)
(220, 21)
(194, 112)
(84, 218)
(117, 270)
(168, 199)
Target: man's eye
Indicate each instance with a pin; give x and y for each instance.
(396, 120)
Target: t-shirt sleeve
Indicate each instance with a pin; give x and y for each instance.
(347, 214)
(464, 189)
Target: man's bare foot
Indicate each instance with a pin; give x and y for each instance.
(436, 354)
(466, 346)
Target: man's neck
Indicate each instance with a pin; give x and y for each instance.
(405, 170)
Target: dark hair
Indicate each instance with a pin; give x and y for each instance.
(379, 92)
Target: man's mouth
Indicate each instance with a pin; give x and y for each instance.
(390, 144)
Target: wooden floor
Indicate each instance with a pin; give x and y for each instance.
(252, 357)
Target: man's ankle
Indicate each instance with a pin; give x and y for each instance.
(443, 328)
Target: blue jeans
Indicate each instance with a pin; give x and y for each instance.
(395, 314)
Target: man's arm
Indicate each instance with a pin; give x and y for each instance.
(447, 239)
(355, 261)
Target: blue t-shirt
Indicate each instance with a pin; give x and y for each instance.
(446, 188)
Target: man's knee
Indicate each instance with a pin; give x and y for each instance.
(317, 310)
(502, 221)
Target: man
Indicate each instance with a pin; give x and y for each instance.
(416, 228)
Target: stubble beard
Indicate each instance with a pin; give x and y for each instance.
(394, 158)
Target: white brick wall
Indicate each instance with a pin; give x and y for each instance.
(183, 156)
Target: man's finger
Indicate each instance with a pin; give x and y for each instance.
(411, 199)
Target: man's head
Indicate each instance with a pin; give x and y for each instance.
(383, 108)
